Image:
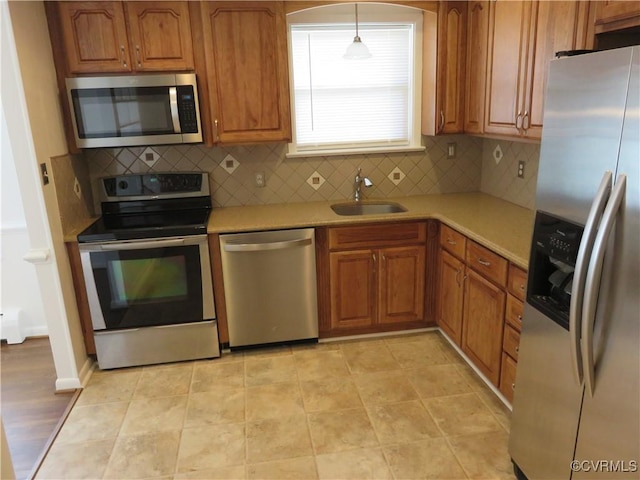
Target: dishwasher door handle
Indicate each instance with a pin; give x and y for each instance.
(262, 247)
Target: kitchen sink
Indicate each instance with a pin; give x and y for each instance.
(367, 208)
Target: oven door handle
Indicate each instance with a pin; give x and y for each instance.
(144, 244)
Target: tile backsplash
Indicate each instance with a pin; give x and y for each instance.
(232, 170)
(500, 171)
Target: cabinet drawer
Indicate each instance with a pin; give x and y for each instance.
(517, 282)
(487, 263)
(378, 235)
(511, 342)
(508, 377)
(452, 241)
(513, 313)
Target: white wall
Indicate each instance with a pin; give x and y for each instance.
(36, 134)
(20, 297)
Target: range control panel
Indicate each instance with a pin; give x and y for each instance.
(154, 185)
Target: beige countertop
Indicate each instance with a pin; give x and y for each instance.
(503, 227)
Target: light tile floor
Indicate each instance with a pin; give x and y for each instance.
(403, 407)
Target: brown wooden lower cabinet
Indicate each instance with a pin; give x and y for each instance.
(376, 278)
(508, 377)
(450, 297)
(483, 324)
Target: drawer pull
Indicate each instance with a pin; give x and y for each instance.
(520, 317)
(522, 287)
(484, 262)
(451, 242)
(513, 386)
(518, 349)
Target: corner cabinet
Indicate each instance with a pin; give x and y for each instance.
(480, 301)
(122, 37)
(523, 37)
(376, 278)
(245, 48)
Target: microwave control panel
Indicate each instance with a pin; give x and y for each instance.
(187, 109)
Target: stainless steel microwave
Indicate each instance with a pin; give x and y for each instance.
(134, 110)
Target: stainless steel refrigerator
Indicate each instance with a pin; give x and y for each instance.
(576, 409)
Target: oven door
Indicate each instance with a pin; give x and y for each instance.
(150, 282)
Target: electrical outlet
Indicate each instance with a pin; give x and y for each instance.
(451, 150)
(521, 169)
(259, 179)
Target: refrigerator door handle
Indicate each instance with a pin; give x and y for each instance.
(580, 273)
(594, 276)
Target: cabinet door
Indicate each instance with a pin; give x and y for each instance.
(401, 284)
(616, 14)
(451, 62)
(508, 377)
(483, 324)
(353, 288)
(160, 35)
(94, 36)
(476, 69)
(509, 23)
(556, 24)
(247, 70)
(450, 296)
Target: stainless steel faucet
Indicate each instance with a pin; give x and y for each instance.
(359, 180)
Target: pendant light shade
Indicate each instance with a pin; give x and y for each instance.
(357, 50)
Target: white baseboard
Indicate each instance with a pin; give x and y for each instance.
(66, 384)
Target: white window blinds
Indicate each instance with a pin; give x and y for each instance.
(343, 104)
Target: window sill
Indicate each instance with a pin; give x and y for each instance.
(358, 151)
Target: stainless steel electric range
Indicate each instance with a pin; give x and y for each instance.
(147, 270)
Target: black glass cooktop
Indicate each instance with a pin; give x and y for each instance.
(153, 219)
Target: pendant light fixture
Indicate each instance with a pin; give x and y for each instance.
(357, 50)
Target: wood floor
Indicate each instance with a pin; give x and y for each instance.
(31, 410)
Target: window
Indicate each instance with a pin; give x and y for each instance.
(353, 106)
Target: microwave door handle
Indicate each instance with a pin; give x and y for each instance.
(580, 274)
(173, 104)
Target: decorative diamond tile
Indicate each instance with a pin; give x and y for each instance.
(315, 180)
(396, 176)
(229, 163)
(149, 156)
(76, 188)
(497, 154)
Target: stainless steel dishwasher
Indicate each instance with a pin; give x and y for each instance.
(270, 286)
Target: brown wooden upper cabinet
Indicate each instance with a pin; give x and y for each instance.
(616, 15)
(121, 37)
(247, 70)
(476, 65)
(452, 19)
(523, 37)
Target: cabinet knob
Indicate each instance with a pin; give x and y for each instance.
(441, 121)
(217, 134)
(518, 349)
(513, 386)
